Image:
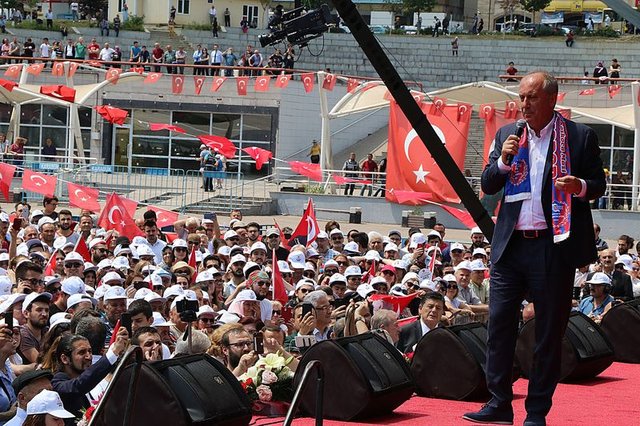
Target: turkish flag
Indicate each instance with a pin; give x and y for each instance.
(410, 166)
(561, 96)
(193, 262)
(38, 182)
(50, 267)
(13, 71)
(139, 70)
(115, 216)
(35, 69)
(241, 85)
(307, 81)
(219, 144)
(494, 120)
(340, 180)
(8, 85)
(437, 106)
(154, 127)
(352, 84)
(130, 205)
(59, 91)
(262, 83)
(511, 109)
(164, 217)
(587, 92)
(260, 155)
(6, 177)
(82, 249)
(177, 83)
(366, 277)
(198, 81)
(57, 69)
(329, 82)
(112, 114)
(614, 89)
(217, 82)
(152, 77)
(310, 170)
(170, 236)
(96, 64)
(83, 197)
(113, 75)
(398, 302)
(279, 290)
(73, 67)
(283, 80)
(307, 230)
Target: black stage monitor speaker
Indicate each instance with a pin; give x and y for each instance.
(448, 362)
(184, 391)
(586, 352)
(364, 376)
(621, 325)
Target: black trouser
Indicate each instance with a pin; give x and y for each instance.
(348, 188)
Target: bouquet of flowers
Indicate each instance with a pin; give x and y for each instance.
(269, 379)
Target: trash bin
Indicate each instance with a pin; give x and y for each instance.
(355, 215)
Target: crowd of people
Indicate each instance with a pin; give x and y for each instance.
(64, 303)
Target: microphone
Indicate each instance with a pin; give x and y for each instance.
(520, 125)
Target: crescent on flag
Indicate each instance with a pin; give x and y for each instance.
(110, 215)
(33, 177)
(407, 142)
(78, 190)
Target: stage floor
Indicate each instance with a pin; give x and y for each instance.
(609, 399)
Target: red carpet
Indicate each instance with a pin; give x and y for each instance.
(611, 399)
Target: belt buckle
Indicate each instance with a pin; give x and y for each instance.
(530, 233)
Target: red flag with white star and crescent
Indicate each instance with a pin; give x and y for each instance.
(83, 197)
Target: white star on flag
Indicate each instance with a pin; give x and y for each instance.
(420, 174)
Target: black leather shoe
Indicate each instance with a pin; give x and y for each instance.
(535, 421)
(491, 415)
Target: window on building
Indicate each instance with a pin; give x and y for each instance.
(251, 12)
(183, 6)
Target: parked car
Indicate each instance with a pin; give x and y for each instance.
(410, 29)
(379, 29)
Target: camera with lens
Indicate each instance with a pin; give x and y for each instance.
(298, 27)
(187, 309)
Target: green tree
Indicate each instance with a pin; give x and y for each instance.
(532, 6)
(418, 6)
(396, 7)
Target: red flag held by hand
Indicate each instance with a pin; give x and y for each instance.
(115, 216)
(279, 290)
(112, 114)
(7, 172)
(82, 249)
(164, 217)
(83, 197)
(50, 267)
(398, 302)
(219, 144)
(38, 182)
(260, 155)
(193, 262)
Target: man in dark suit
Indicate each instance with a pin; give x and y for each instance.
(77, 376)
(431, 310)
(535, 250)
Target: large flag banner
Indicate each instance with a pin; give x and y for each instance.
(410, 166)
(307, 230)
(493, 120)
(115, 216)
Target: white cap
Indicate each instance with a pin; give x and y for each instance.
(174, 290)
(372, 255)
(31, 297)
(258, 246)
(308, 266)
(331, 262)
(599, 278)
(272, 231)
(626, 261)
(450, 278)
(353, 271)
(305, 281)
(296, 259)
(179, 242)
(390, 247)
(457, 246)
(11, 300)
(73, 285)
(400, 264)
(224, 250)
(337, 278)
(322, 235)
(476, 230)
(120, 249)
(159, 321)
(154, 297)
(100, 291)
(59, 318)
(479, 250)
(204, 276)
(48, 402)
(206, 309)
(150, 269)
(284, 267)
(230, 234)
(246, 295)
(418, 238)
(478, 265)
(94, 242)
(351, 247)
(434, 233)
(4, 217)
(378, 280)
(238, 258)
(44, 220)
(120, 262)
(335, 231)
(227, 318)
(112, 276)
(410, 276)
(398, 290)
(312, 252)
(104, 263)
(465, 264)
(115, 292)
(74, 299)
(5, 285)
(74, 257)
(4, 257)
(365, 289)
(144, 250)
(88, 266)
(143, 292)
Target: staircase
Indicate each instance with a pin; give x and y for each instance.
(161, 35)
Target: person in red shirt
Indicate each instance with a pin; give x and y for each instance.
(368, 165)
(93, 50)
(512, 70)
(156, 55)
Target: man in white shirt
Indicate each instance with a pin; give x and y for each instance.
(45, 50)
(106, 54)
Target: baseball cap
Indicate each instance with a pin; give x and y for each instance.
(120, 262)
(77, 298)
(410, 276)
(434, 233)
(331, 262)
(179, 242)
(95, 242)
(100, 291)
(465, 264)
(322, 235)
(35, 297)
(353, 271)
(365, 289)
(5, 285)
(479, 251)
(284, 267)
(112, 276)
(48, 402)
(154, 297)
(418, 238)
(599, 278)
(457, 246)
(478, 265)
(296, 259)
(115, 292)
(120, 250)
(388, 268)
(28, 377)
(174, 290)
(238, 258)
(204, 276)
(73, 285)
(206, 309)
(400, 264)
(246, 296)
(476, 230)
(34, 243)
(351, 247)
(104, 263)
(159, 321)
(626, 261)
(12, 300)
(372, 255)
(335, 231)
(258, 246)
(143, 292)
(272, 231)
(337, 278)
(450, 278)
(145, 250)
(230, 234)
(390, 247)
(305, 281)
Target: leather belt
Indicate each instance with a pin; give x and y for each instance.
(532, 233)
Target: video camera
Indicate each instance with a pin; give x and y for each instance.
(298, 28)
(187, 309)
